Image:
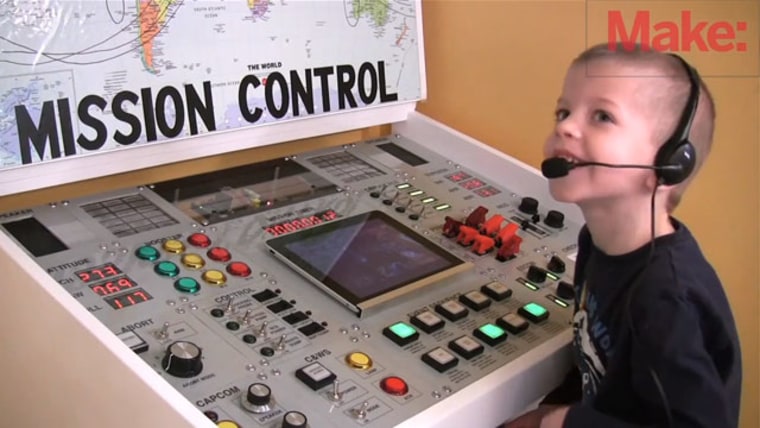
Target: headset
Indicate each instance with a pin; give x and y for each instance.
(678, 150)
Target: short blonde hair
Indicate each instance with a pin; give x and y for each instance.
(668, 104)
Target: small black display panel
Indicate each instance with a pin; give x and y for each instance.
(402, 154)
(365, 257)
(35, 237)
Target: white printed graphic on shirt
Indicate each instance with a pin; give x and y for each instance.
(592, 368)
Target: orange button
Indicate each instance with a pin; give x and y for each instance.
(238, 269)
(199, 240)
(219, 254)
(394, 385)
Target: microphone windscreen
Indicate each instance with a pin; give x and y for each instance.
(555, 167)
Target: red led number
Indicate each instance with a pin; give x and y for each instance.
(101, 272)
(130, 299)
(111, 287)
(300, 223)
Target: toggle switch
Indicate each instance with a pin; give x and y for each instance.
(492, 226)
(536, 274)
(556, 265)
(467, 235)
(482, 244)
(477, 217)
(509, 249)
(451, 227)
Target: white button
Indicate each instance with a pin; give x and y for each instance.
(441, 356)
(428, 318)
(467, 343)
(453, 306)
(317, 372)
(498, 287)
(476, 297)
(514, 320)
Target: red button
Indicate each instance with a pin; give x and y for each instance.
(199, 240)
(238, 269)
(394, 385)
(219, 254)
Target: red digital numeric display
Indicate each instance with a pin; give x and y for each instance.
(97, 273)
(458, 176)
(487, 191)
(112, 286)
(472, 184)
(298, 223)
(132, 298)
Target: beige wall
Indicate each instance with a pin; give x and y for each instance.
(494, 71)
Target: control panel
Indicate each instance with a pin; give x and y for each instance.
(185, 274)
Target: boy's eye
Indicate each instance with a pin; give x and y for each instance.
(602, 116)
(561, 114)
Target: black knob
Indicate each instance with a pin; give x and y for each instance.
(565, 290)
(556, 265)
(536, 274)
(554, 219)
(183, 359)
(258, 400)
(528, 205)
(259, 394)
(294, 419)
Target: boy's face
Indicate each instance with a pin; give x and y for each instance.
(604, 115)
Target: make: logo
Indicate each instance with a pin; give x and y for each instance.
(674, 36)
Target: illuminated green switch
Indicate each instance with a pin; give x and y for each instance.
(166, 269)
(401, 333)
(147, 252)
(533, 312)
(490, 334)
(187, 285)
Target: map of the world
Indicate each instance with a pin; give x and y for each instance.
(96, 75)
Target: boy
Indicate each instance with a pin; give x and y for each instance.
(654, 336)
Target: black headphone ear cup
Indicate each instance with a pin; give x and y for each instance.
(672, 153)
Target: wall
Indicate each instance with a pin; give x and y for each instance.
(495, 69)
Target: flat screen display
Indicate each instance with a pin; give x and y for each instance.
(364, 257)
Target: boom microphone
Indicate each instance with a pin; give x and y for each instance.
(560, 167)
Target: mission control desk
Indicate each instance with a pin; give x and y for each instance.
(416, 280)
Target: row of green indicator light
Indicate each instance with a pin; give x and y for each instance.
(426, 200)
(533, 287)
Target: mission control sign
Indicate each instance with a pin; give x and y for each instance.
(53, 130)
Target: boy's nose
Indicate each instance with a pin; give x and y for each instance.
(568, 128)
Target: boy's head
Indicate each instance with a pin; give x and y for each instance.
(620, 106)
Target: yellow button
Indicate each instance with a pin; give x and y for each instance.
(174, 246)
(227, 424)
(359, 360)
(193, 261)
(214, 277)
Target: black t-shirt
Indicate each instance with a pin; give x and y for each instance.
(643, 325)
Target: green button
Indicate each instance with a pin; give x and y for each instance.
(533, 312)
(147, 253)
(535, 309)
(492, 331)
(403, 330)
(187, 285)
(167, 269)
